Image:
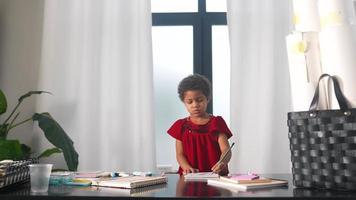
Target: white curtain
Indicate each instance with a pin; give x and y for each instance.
(97, 62)
(260, 96)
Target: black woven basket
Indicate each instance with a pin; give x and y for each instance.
(323, 145)
(15, 172)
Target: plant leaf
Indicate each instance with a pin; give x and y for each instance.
(58, 137)
(49, 152)
(3, 103)
(26, 150)
(31, 93)
(3, 131)
(10, 149)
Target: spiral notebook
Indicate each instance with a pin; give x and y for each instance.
(130, 181)
(141, 191)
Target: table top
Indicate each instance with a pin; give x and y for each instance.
(175, 188)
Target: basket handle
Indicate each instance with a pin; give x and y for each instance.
(338, 93)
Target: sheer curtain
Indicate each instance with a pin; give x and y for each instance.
(260, 96)
(97, 62)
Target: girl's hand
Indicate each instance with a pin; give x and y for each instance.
(189, 170)
(220, 168)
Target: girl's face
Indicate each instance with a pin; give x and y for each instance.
(195, 102)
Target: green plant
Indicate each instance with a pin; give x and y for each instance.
(13, 149)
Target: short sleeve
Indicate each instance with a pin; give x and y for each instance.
(176, 130)
(219, 125)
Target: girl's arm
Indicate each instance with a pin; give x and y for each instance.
(182, 160)
(224, 146)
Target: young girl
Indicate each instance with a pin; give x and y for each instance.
(201, 138)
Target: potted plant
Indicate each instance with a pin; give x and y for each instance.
(13, 149)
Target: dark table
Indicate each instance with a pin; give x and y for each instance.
(176, 188)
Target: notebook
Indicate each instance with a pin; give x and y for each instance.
(200, 176)
(246, 186)
(130, 181)
(141, 191)
(245, 179)
(95, 174)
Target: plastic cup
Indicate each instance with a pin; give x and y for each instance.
(39, 176)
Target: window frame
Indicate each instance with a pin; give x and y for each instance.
(202, 23)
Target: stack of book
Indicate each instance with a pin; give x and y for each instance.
(243, 182)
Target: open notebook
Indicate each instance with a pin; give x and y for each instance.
(130, 181)
(200, 176)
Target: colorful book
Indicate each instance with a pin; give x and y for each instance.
(130, 181)
(200, 176)
(246, 186)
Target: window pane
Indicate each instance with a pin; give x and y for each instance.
(216, 6)
(353, 15)
(172, 61)
(174, 6)
(221, 72)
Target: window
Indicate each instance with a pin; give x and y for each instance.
(189, 36)
(174, 6)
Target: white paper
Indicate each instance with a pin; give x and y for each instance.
(338, 57)
(332, 13)
(306, 16)
(304, 69)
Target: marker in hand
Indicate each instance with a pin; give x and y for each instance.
(222, 158)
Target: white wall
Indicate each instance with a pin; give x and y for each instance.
(20, 49)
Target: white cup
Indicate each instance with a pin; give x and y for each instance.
(39, 175)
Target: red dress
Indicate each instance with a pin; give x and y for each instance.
(200, 142)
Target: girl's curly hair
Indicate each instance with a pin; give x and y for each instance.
(195, 82)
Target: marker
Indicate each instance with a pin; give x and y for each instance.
(225, 154)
